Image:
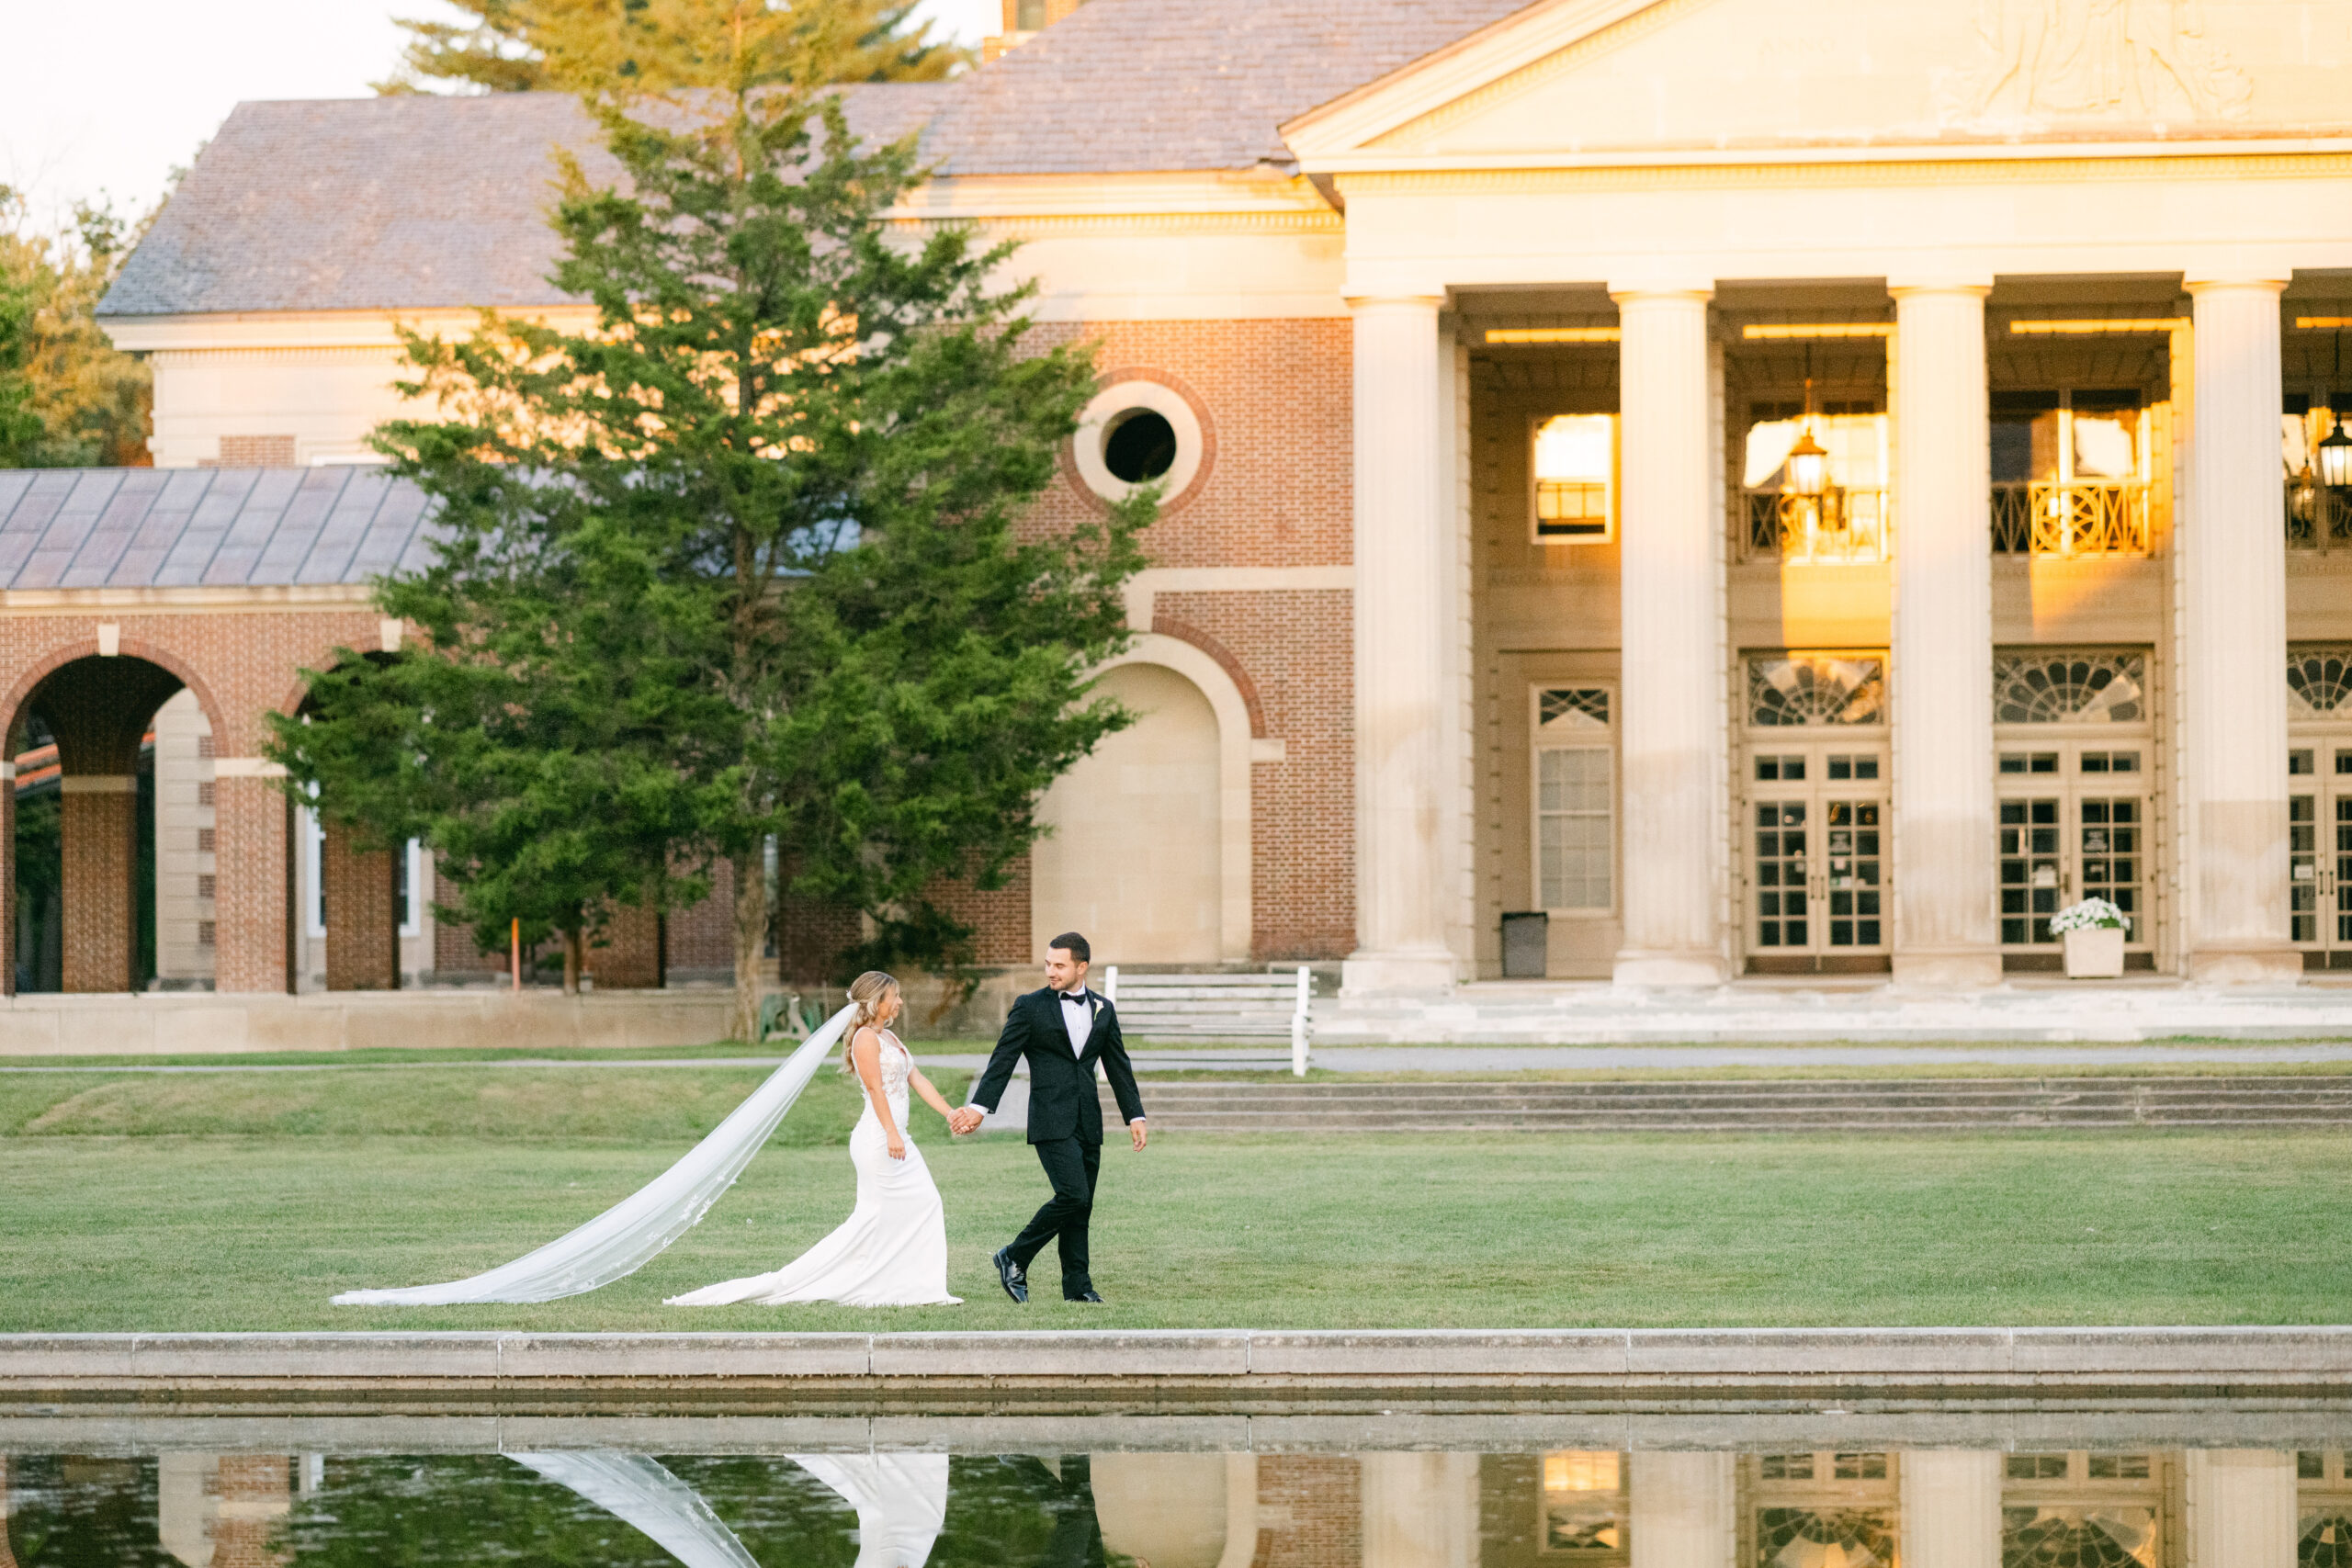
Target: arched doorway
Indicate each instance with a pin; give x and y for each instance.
(83, 831)
(1134, 859)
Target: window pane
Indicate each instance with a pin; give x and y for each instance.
(1575, 823)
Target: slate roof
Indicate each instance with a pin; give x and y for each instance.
(420, 201)
(393, 203)
(207, 527)
(1125, 86)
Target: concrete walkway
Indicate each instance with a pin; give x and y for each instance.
(1220, 1370)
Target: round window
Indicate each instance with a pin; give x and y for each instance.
(1140, 445)
(1138, 433)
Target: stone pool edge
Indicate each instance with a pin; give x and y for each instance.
(1182, 1369)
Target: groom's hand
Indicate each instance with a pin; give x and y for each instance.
(963, 1120)
(1138, 1131)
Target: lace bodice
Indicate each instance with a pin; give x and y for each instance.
(897, 1066)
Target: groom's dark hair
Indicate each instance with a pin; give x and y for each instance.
(1075, 945)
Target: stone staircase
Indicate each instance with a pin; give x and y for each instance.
(1884, 1105)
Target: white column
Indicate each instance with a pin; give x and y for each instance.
(1951, 1509)
(1421, 1510)
(2234, 637)
(1684, 1512)
(2241, 1510)
(1402, 620)
(1945, 927)
(1671, 736)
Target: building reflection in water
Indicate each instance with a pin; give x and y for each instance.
(1827, 1508)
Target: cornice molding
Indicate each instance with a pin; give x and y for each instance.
(1049, 225)
(187, 601)
(1477, 65)
(1888, 166)
(1613, 36)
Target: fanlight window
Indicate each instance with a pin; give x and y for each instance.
(2319, 680)
(1800, 1537)
(1573, 707)
(2104, 1536)
(2069, 688)
(1790, 689)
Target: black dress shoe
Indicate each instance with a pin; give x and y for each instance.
(1087, 1296)
(1008, 1274)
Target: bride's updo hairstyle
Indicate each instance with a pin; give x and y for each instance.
(868, 991)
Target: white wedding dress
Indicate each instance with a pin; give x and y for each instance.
(891, 1251)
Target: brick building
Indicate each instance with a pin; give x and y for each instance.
(1552, 397)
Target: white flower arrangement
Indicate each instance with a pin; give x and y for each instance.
(2091, 914)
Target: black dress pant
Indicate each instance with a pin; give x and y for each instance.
(1071, 1165)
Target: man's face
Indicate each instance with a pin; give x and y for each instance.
(1063, 972)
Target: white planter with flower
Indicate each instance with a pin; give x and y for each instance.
(2093, 931)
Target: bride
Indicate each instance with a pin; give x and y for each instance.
(892, 1250)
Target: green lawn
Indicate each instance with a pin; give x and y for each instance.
(243, 1202)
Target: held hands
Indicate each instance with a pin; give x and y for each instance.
(963, 1119)
(1135, 1128)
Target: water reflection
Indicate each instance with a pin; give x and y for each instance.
(1785, 1507)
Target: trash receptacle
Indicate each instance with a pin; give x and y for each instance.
(1527, 940)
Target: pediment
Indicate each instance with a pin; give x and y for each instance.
(1582, 78)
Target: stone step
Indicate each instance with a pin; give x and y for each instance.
(1872, 1105)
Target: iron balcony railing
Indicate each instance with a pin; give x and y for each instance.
(2318, 518)
(1840, 524)
(2073, 517)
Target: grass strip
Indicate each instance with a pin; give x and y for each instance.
(172, 1232)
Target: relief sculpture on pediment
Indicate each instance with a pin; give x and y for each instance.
(2072, 60)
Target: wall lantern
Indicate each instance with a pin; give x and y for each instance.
(1809, 464)
(2334, 454)
(2336, 457)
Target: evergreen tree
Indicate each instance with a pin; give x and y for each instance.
(516, 45)
(741, 562)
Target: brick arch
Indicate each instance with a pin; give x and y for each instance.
(129, 648)
(1167, 625)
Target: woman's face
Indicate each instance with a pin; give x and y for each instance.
(888, 1007)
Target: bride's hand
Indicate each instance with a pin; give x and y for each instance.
(897, 1147)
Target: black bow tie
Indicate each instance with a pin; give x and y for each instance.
(1075, 998)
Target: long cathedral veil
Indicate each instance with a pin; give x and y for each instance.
(644, 1493)
(630, 1233)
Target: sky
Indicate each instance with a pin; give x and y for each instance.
(90, 112)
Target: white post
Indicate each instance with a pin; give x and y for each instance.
(1300, 1022)
(2234, 634)
(1946, 929)
(1111, 984)
(1401, 622)
(1951, 1509)
(1672, 664)
(2241, 1508)
(1684, 1511)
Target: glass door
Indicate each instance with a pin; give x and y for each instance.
(2319, 827)
(2073, 822)
(1816, 858)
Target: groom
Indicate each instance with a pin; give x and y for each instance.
(1063, 1029)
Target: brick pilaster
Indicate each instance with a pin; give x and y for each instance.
(629, 958)
(100, 824)
(257, 1495)
(255, 898)
(362, 892)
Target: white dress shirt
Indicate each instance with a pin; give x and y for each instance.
(1078, 1017)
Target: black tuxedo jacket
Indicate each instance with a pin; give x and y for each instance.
(1062, 1101)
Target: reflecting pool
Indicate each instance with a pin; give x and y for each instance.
(1819, 1492)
